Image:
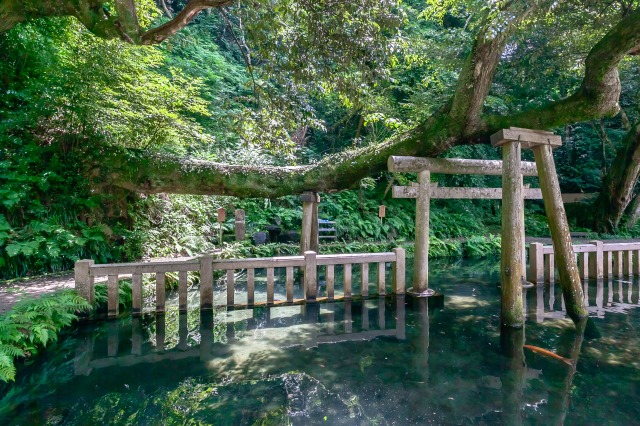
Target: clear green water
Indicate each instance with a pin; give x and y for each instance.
(372, 362)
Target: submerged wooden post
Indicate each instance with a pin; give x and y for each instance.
(84, 279)
(511, 267)
(559, 227)
(421, 256)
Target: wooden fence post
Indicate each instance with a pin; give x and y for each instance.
(398, 271)
(596, 260)
(84, 279)
(536, 263)
(310, 276)
(559, 227)
(206, 281)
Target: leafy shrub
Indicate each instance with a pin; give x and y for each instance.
(33, 323)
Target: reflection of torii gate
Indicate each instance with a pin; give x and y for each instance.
(513, 193)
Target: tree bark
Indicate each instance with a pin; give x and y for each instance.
(618, 184)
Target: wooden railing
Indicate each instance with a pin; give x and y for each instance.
(86, 270)
(596, 260)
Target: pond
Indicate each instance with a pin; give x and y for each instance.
(392, 361)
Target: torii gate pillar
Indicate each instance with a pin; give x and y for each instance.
(512, 141)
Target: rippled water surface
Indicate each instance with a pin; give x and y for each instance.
(392, 361)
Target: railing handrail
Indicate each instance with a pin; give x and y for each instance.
(205, 264)
(591, 248)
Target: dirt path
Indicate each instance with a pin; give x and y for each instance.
(13, 292)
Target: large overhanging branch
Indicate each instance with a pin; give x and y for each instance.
(95, 16)
(597, 97)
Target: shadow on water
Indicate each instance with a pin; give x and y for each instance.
(378, 361)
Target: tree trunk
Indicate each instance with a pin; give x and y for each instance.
(618, 185)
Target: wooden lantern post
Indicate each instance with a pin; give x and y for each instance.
(222, 215)
(309, 232)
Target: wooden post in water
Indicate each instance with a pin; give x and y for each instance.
(511, 267)
(541, 143)
(559, 227)
(421, 256)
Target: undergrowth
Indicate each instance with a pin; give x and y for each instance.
(32, 324)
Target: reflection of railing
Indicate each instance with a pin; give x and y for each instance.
(86, 270)
(323, 327)
(600, 297)
(596, 260)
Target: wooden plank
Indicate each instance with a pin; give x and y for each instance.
(347, 280)
(381, 279)
(230, 287)
(453, 166)
(270, 286)
(620, 246)
(536, 263)
(583, 265)
(258, 263)
(112, 296)
(636, 262)
(144, 268)
(617, 263)
(160, 291)
(354, 258)
(471, 193)
(596, 260)
(364, 279)
(289, 284)
(183, 283)
(330, 278)
(136, 294)
(251, 287)
(526, 137)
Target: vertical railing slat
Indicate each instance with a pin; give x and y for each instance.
(136, 294)
(331, 281)
(230, 287)
(251, 287)
(112, 295)
(347, 280)
(364, 279)
(270, 286)
(549, 268)
(182, 290)
(289, 284)
(160, 291)
(381, 279)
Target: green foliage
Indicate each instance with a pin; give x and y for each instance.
(32, 324)
(125, 296)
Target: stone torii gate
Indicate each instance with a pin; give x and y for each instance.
(512, 193)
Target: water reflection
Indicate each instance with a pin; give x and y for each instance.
(207, 335)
